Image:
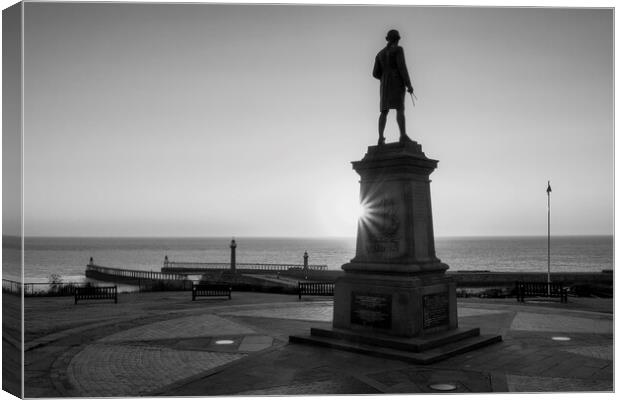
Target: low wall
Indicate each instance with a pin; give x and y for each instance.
(487, 278)
(329, 275)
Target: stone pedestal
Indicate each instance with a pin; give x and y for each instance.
(394, 298)
(395, 284)
(395, 236)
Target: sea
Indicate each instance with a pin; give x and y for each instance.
(68, 256)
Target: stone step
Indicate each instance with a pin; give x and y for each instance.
(416, 344)
(424, 357)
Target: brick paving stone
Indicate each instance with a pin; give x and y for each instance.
(608, 369)
(475, 362)
(121, 370)
(601, 352)
(418, 379)
(464, 312)
(559, 323)
(255, 343)
(465, 381)
(405, 387)
(324, 312)
(520, 383)
(509, 362)
(531, 351)
(586, 372)
(596, 363)
(531, 361)
(194, 326)
(480, 356)
(302, 312)
(568, 367)
(333, 386)
(43, 340)
(540, 369)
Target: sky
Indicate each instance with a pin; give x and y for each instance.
(242, 120)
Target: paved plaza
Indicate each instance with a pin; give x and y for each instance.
(165, 344)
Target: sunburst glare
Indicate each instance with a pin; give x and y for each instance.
(363, 211)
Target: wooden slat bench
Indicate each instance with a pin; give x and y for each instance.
(539, 289)
(317, 288)
(211, 290)
(96, 293)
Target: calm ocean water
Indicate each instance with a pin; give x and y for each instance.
(68, 256)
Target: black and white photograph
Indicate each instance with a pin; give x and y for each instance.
(304, 199)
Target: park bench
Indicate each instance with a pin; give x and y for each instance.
(96, 293)
(541, 289)
(210, 290)
(316, 288)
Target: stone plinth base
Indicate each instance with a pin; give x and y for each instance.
(406, 317)
(396, 305)
(428, 350)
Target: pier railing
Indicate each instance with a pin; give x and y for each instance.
(200, 267)
(188, 267)
(133, 273)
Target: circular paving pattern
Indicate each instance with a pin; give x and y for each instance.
(141, 360)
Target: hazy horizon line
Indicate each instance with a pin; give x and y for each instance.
(282, 237)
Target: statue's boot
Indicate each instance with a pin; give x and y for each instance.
(405, 139)
(381, 140)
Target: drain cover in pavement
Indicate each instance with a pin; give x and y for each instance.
(442, 387)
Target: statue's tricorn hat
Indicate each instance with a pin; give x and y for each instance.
(392, 35)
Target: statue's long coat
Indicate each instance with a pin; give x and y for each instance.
(391, 69)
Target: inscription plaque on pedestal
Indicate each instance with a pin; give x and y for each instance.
(373, 310)
(435, 310)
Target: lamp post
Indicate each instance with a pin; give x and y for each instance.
(548, 238)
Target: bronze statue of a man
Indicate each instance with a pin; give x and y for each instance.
(391, 70)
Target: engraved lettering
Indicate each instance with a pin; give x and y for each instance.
(373, 310)
(435, 310)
